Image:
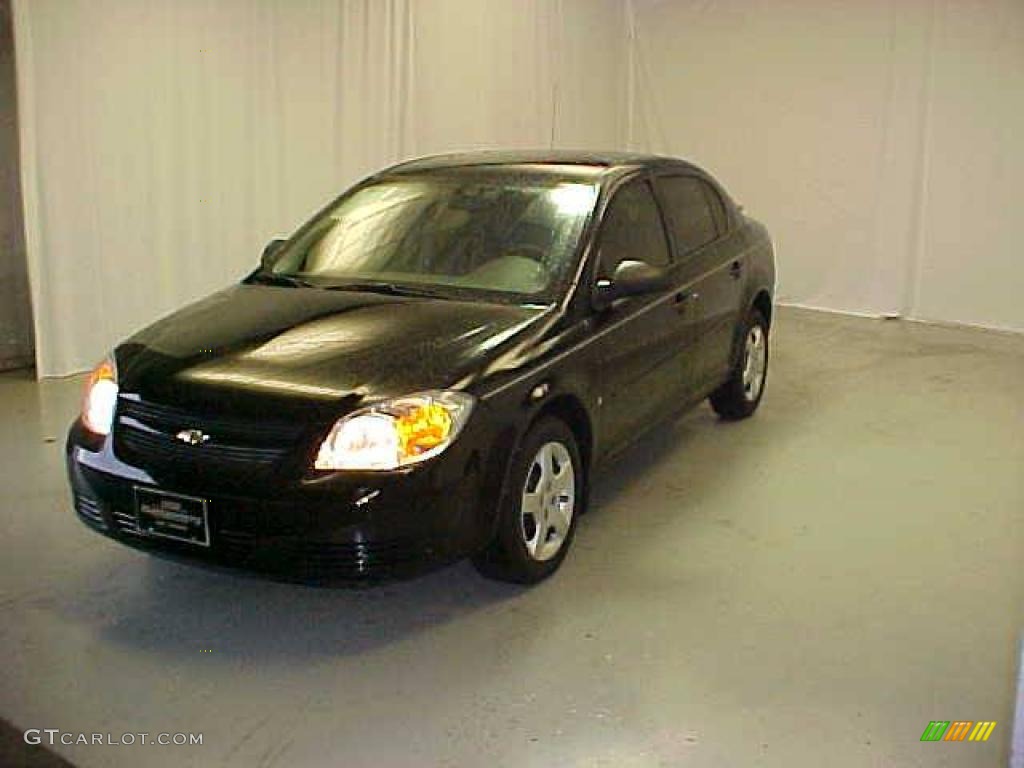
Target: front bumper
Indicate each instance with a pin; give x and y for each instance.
(331, 527)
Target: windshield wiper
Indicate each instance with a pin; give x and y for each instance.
(274, 278)
(392, 289)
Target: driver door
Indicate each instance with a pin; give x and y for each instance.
(639, 337)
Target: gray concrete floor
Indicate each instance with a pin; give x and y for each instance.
(809, 587)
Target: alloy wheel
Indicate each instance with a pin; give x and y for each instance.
(548, 501)
(755, 360)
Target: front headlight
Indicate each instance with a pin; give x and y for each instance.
(395, 433)
(100, 398)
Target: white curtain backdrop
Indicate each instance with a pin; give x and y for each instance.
(165, 141)
(880, 140)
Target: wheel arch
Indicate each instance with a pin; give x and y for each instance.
(565, 406)
(570, 409)
(763, 303)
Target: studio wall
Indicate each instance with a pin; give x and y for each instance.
(165, 141)
(879, 139)
(15, 309)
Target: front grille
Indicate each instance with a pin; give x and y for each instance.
(150, 431)
(231, 428)
(235, 546)
(125, 522)
(89, 510)
(143, 442)
(318, 559)
(355, 556)
(255, 541)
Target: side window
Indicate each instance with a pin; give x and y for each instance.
(694, 210)
(632, 229)
(717, 208)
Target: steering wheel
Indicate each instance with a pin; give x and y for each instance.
(528, 251)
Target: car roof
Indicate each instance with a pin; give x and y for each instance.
(599, 161)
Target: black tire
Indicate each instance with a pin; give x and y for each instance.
(735, 400)
(508, 556)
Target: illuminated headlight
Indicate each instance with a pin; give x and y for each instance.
(100, 398)
(395, 433)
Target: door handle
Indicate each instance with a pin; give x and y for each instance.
(683, 298)
(736, 268)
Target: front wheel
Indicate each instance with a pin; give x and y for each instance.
(538, 513)
(739, 397)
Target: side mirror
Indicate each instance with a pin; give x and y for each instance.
(270, 254)
(631, 278)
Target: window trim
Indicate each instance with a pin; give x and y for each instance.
(647, 178)
(714, 197)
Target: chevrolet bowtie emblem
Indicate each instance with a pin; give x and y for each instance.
(192, 436)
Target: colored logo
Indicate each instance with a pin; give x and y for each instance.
(192, 436)
(958, 730)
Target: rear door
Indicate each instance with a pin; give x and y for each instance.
(638, 338)
(710, 272)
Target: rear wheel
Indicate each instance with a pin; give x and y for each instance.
(739, 397)
(538, 513)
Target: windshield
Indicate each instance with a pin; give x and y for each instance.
(494, 231)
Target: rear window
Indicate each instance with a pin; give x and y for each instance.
(694, 211)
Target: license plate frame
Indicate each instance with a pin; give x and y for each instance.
(173, 516)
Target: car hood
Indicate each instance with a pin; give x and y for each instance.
(276, 348)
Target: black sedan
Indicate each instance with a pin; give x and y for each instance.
(431, 368)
